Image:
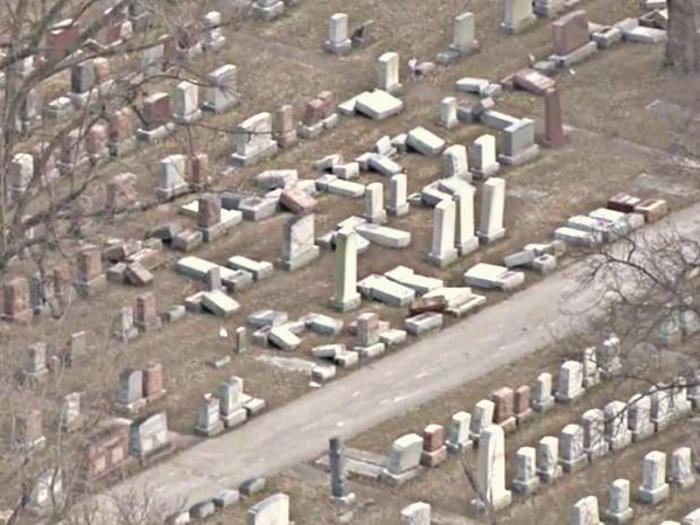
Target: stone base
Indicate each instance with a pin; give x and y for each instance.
(620, 442)
(399, 211)
(264, 153)
(212, 233)
(683, 483)
(90, 288)
(287, 140)
(522, 157)
(643, 433)
(128, 336)
(662, 423)
(398, 479)
(157, 134)
(188, 119)
(268, 13)
(528, 487)
(35, 377)
(235, 418)
(213, 430)
(524, 416)
(214, 45)
(550, 476)
(521, 26)
(24, 316)
(370, 351)
(619, 518)
(351, 303)
(566, 399)
(489, 238)
(300, 261)
(231, 103)
(433, 459)
(331, 121)
(574, 465)
(544, 405)
(346, 500)
(497, 504)
(443, 260)
(155, 455)
(509, 426)
(577, 55)
(311, 132)
(468, 247)
(166, 194)
(152, 325)
(120, 149)
(379, 218)
(338, 48)
(652, 497)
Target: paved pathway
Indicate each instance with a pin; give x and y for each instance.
(299, 431)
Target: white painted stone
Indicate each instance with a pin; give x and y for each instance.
(491, 470)
(466, 240)
(387, 69)
(443, 252)
(345, 295)
(493, 202)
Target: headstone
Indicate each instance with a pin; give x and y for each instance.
(253, 140)
(526, 481)
(553, 120)
(124, 329)
(654, 488)
(404, 458)
(417, 513)
(121, 138)
(491, 471)
(221, 93)
(521, 405)
(661, 406)
(448, 112)
(16, 306)
(466, 240)
(595, 443)
(208, 421)
(618, 510)
(503, 416)
(146, 318)
(640, 423)
(548, 468)
(153, 381)
(569, 33)
(443, 251)
(682, 469)
(82, 78)
(458, 439)
(47, 495)
(241, 340)
(464, 33)
(345, 294)
(90, 277)
(481, 418)
(572, 455)
(434, 449)
(148, 436)
(374, 203)
(616, 426)
(542, 399)
(152, 61)
(21, 171)
(570, 382)
(173, 173)
(35, 369)
(591, 372)
(231, 402)
(338, 42)
(516, 16)
(284, 128)
(273, 510)
(214, 40)
(518, 140)
(455, 164)
(493, 201)
(186, 103)
(298, 248)
(387, 69)
(130, 393)
(338, 471)
(585, 512)
(398, 204)
(156, 114)
(268, 10)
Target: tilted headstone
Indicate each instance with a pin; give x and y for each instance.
(273, 510)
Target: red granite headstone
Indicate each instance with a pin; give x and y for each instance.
(570, 32)
(553, 122)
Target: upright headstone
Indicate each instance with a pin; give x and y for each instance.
(146, 318)
(298, 247)
(595, 443)
(434, 449)
(16, 306)
(654, 487)
(482, 418)
(231, 402)
(570, 382)
(90, 277)
(458, 438)
(273, 510)
(516, 16)
(682, 469)
(493, 201)
(241, 340)
(448, 112)
(618, 510)
(548, 468)
(639, 417)
(542, 398)
(338, 471)
(443, 252)
(208, 420)
(572, 455)
(130, 393)
(36, 369)
(148, 436)
(466, 240)
(464, 33)
(345, 294)
(553, 120)
(404, 459)
(338, 42)
(253, 140)
(374, 203)
(526, 481)
(491, 471)
(186, 103)
(616, 425)
(387, 69)
(172, 176)
(585, 512)
(518, 141)
(213, 40)
(455, 163)
(221, 92)
(398, 203)
(153, 381)
(20, 173)
(284, 128)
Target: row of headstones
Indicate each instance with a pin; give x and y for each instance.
(131, 322)
(22, 301)
(232, 407)
(655, 488)
(43, 359)
(601, 432)
(271, 510)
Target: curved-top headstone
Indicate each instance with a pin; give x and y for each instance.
(273, 510)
